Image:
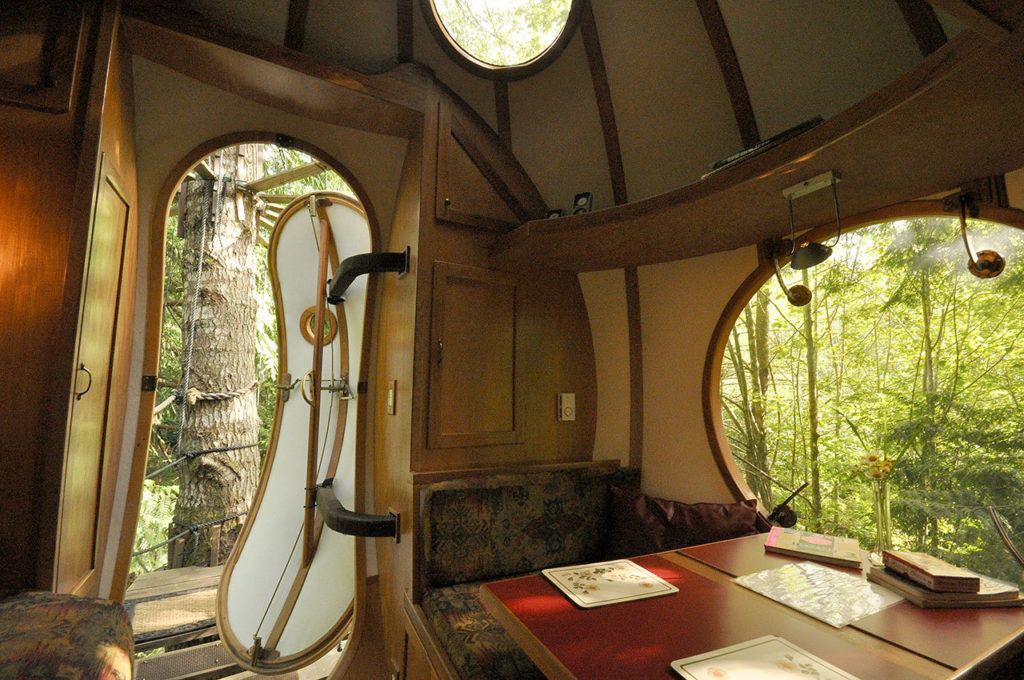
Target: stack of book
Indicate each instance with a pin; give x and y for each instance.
(930, 582)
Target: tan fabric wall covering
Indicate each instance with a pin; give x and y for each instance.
(680, 304)
(605, 295)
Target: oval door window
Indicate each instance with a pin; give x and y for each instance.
(274, 612)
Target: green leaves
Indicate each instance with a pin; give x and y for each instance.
(915, 357)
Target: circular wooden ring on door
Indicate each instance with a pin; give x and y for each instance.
(308, 319)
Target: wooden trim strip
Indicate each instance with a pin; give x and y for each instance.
(924, 25)
(605, 108)
(405, 31)
(725, 53)
(503, 112)
(710, 390)
(636, 368)
(295, 33)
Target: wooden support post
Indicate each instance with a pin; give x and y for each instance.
(215, 545)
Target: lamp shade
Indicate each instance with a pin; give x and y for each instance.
(810, 255)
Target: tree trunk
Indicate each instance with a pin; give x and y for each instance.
(812, 409)
(219, 484)
(930, 389)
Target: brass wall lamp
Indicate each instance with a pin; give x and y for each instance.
(811, 254)
(798, 295)
(985, 264)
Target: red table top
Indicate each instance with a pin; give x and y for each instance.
(953, 637)
(638, 639)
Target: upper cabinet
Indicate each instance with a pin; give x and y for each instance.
(39, 52)
(473, 394)
(479, 182)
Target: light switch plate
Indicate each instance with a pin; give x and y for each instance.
(566, 406)
(392, 396)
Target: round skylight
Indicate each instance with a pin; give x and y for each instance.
(500, 35)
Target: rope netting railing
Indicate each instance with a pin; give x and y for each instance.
(193, 529)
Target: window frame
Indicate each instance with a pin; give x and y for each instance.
(483, 69)
(711, 388)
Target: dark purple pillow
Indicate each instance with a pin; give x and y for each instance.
(642, 524)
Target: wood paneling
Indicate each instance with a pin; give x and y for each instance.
(474, 381)
(84, 481)
(970, 92)
(52, 163)
(479, 181)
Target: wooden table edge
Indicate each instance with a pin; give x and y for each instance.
(546, 661)
(894, 653)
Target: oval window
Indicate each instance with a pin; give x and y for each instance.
(896, 393)
(503, 38)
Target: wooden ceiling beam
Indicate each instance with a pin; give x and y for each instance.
(605, 108)
(729, 64)
(295, 32)
(391, 103)
(924, 25)
(974, 19)
(291, 175)
(405, 31)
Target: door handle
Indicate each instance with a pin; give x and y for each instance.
(88, 373)
(440, 351)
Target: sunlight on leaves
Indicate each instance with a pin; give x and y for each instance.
(503, 32)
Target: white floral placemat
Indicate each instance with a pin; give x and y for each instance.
(829, 595)
(601, 583)
(766, 658)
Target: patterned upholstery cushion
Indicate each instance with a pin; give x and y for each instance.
(503, 525)
(477, 645)
(43, 635)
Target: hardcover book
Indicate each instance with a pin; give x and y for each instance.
(839, 550)
(931, 572)
(992, 593)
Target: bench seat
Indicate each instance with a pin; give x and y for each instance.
(483, 528)
(44, 635)
(476, 644)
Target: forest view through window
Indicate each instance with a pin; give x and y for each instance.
(897, 393)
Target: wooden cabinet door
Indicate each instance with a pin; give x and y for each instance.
(84, 487)
(473, 394)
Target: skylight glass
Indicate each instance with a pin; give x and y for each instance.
(503, 33)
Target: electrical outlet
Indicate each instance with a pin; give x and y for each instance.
(566, 406)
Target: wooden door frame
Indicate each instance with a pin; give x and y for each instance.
(154, 320)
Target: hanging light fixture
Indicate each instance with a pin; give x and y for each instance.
(985, 264)
(813, 253)
(798, 295)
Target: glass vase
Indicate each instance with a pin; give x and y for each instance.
(883, 521)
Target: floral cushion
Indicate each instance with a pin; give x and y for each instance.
(43, 635)
(477, 645)
(503, 525)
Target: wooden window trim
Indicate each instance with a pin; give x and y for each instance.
(712, 377)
